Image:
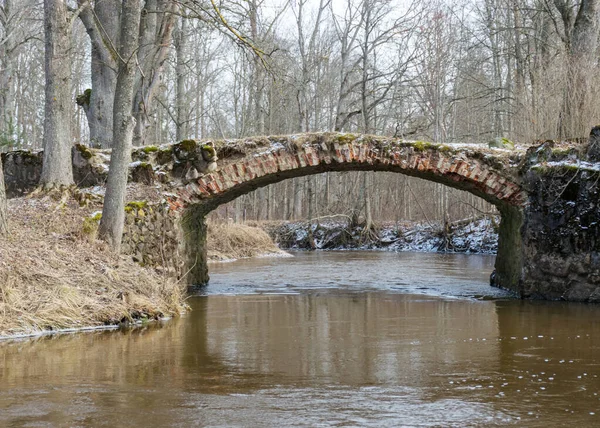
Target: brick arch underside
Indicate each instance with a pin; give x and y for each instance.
(247, 175)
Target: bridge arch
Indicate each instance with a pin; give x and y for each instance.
(245, 165)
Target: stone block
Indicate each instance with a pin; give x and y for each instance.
(593, 151)
(579, 291)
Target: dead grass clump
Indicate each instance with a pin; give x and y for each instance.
(234, 241)
(52, 277)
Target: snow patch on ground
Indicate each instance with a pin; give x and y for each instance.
(583, 165)
(479, 236)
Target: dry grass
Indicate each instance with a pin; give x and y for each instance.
(53, 277)
(233, 241)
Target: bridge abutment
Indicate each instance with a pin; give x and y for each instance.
(509, 259)
(561, 233)
(195, 230)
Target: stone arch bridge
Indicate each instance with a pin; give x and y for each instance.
(548, 195)
(246, 165)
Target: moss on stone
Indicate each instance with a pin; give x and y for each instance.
(421, 146)
(85, 152)
(346, 138)
(210, 151)
(507, 143)
(135, 206)
(149, 149)
(90, 225)
(509, 261)
(187, 145)
(501, 143)
(548, 170)
(444, 148)
(27, 156)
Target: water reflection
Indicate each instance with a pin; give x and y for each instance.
(356, 339)
(318, 357)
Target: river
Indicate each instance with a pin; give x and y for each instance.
(323, 339)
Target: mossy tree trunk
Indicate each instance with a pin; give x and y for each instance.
(113, 212)
(57, 169)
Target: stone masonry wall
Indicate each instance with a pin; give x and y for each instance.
(150, 164)
(561, 232)
(22, 171)
(23, 168)
(152, 235)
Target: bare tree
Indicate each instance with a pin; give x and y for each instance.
(18, 27)
(181, 96)
(156, 29)
(579, 33)
(101, 19)
(113, 211)
(3, 207)
(9, 23)
(57, 170)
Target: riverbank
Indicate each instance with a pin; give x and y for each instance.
(232, 241)
(472, 236)
(54, 277)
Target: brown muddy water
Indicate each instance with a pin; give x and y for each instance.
(323, 339)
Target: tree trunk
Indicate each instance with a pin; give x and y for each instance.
(155, 35)
(102, 26)
(57, 168)
(237, 213)
(113, 212)
(182, 99)
(581, 38)
(298, 190)
(3, 207)
(7, 61)
(100, 102)
(367, 195)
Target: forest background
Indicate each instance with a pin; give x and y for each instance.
(444, 71)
